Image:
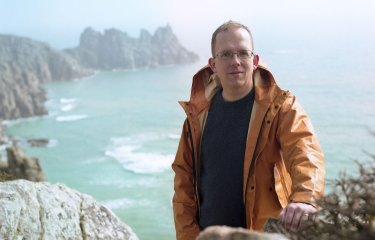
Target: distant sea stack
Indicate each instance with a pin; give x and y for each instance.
(24, 64)
(117, 50)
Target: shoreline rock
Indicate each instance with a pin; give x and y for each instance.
(18, 166)
(53, 211)
(38, 142)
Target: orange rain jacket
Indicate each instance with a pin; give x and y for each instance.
(283, 160)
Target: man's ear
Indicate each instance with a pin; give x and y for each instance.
(255, 61)
(212, 64)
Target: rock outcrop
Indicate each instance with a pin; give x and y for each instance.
(117, 50)
(18, 166)
(228, 233)
(24, 65)
(53, 211)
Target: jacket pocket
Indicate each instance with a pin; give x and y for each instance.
(283, 183)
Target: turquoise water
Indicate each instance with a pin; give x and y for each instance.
(113, 135)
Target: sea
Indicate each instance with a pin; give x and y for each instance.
(114, 135)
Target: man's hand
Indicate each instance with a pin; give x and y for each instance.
(295, 215)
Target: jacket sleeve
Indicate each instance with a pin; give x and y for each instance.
(302, 154)
(184, 206)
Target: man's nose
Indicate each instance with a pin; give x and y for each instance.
(236, 59)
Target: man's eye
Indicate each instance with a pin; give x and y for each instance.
(226, 54)
(243, 54)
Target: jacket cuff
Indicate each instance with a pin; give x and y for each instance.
(304, 197)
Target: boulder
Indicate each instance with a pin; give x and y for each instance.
(228, 233)
(22, 167)
(30, 210)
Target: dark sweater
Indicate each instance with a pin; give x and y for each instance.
(222, 156)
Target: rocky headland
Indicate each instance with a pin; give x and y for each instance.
(25, 63)
(115, 49)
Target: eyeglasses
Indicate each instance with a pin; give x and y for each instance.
(242, 54)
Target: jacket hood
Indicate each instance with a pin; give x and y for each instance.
(206, 83)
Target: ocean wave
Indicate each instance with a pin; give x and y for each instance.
(174, 136)
(67, 107)
(67, 100)
(127, 151)
(118, 203)
(70, 118)
(67, 104)
(52, 143)
(124, 202)
(11, 123)
(124, 183)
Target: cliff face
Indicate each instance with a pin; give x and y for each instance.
(116, 50)
(24, 64)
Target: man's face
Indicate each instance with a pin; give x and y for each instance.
(235, 72)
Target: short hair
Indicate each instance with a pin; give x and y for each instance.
(223, 28)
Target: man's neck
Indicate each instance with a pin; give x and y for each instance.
(236, 94)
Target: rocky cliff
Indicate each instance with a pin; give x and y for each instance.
(24, 65)
(115, 49)
(53, 211)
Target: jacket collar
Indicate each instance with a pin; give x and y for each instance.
(206, 84)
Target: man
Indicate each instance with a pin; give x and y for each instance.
(247, 151)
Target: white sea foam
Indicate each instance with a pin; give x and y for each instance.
(52, 143)
(123, 183)
(118, 203)
(67, 100)
(173, 136)
(125, 203)
(70, 118)
(67, 104)
(10, 123)
(67, 107)
(128, 152)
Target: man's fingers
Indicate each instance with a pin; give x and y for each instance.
(288, 218)
(282, 215)
(297, 218)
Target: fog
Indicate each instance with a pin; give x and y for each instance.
(60, 22)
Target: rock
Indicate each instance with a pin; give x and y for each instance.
(22, 167)
(117, 50)
(38, 142)
(53, 211)
(228, 233)
(24, 65)
(2, 135)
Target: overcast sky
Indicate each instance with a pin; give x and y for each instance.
(60, 22)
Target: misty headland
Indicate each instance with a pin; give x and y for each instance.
(25, 64)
